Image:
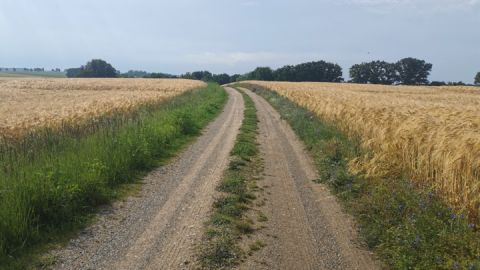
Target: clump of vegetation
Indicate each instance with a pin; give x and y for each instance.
(96, 68)
(229, 222)
(408, 227)
(409, 71)
(53, 183)
(319, 71)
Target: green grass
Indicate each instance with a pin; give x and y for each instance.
(229, 222)
(51, 181)
(407, 227)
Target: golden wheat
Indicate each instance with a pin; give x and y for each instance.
(431, 133)
(31, 103)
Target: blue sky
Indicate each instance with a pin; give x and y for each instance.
(234, 36)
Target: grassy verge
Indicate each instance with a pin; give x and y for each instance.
(407, 227)
(50, 184)
(228, 222)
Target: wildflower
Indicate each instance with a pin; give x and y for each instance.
(423, 205)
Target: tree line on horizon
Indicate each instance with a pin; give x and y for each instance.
(407, 71)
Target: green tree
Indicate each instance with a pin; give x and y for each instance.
(376, 72)
(199, 75)
(262, 74)
(319, 71)
(477, 79)
(413, 71)
(438, 83)
(286, 73)
(97, 68)
(221, 78)
(73, 72)
(235, 77)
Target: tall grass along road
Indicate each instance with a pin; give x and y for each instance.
(305, 227)
(159, 228)
(52, 177)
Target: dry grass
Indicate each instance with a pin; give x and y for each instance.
(430, 133)
(30, 103)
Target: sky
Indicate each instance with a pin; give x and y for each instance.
(235, 36)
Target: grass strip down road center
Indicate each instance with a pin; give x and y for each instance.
(228, 222)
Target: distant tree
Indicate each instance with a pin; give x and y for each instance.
(221, 78)
(360, 73)
(286, 73)
(160, 76)
(14, 69)
(413, 71)
(205, 76)
(73, 72)
(460, 83)
(376, 72)
(477, 79)
(98, 68)
(134, 74)
(438, 83)
(262, 74)
(319, 71)
(234, 77)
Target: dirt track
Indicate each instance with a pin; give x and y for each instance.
(160, 227)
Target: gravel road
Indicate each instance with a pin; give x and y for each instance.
(159, 227)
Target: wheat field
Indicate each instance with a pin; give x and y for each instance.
(30, 103)
(430, 133)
